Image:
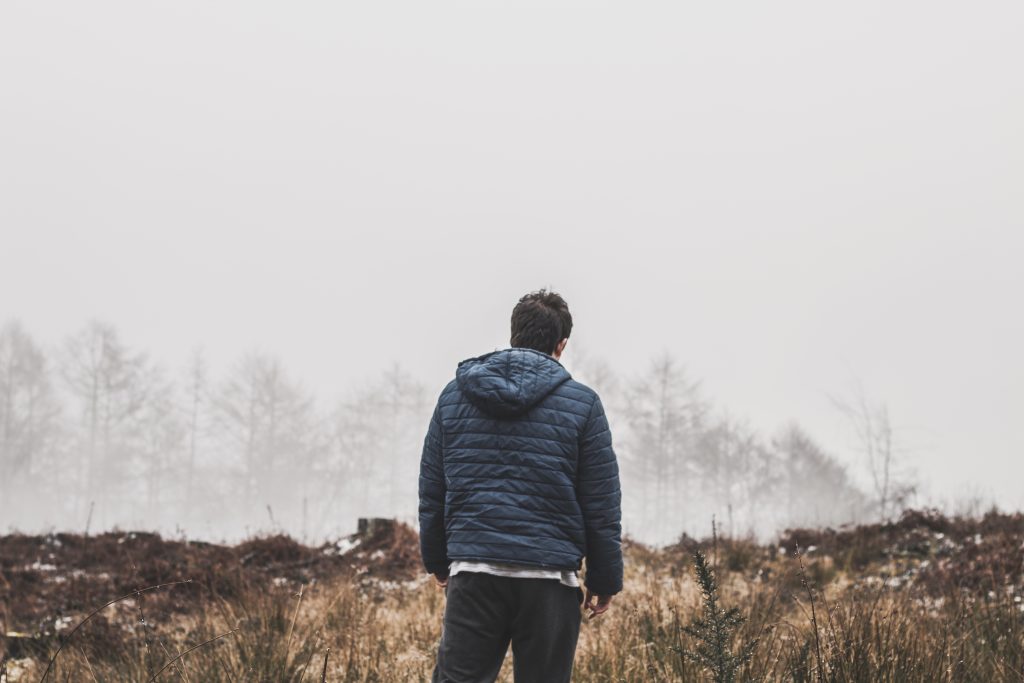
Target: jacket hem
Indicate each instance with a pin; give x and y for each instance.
(491, 558)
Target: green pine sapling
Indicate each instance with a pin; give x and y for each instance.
(714, 630)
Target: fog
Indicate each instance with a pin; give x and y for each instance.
(774, 211)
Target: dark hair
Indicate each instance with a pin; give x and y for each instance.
(540, 320)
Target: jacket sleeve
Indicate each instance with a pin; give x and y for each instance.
(433, 547)
(600, 498)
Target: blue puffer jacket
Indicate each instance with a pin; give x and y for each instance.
(518, 467)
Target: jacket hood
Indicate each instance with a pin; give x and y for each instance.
(509, 382)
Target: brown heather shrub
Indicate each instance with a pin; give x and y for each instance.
(913, 606)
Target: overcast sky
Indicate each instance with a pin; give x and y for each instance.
(786, 196)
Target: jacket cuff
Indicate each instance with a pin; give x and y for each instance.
(437, 569)
(603, 584)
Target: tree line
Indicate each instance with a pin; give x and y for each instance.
(95, 434)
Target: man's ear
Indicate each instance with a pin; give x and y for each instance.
(561, 347)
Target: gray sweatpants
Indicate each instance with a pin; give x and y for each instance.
(484, 612)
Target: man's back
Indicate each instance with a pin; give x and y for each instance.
(519, 468)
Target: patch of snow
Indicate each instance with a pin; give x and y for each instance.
(42, 567)
(347, 544)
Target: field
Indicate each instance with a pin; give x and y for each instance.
(927, 598)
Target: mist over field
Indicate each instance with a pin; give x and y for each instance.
(243, 250)
(97, 435)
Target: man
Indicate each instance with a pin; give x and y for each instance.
(518, 484)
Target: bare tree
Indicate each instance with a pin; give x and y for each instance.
(108, 382)
(196, 398)
(161, 434)
(268, 420)
(358, 434)
(816, 489)
(405, 402)
(665, 415)
(28, 408)
(874, 433)
(378, 438)
(736, 472)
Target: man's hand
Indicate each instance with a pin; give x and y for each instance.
(441, 583)
(598, 608)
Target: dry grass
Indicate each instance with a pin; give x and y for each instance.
(885, 619)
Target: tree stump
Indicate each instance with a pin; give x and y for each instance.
(372, 526)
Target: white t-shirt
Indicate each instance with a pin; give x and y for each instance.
(566, 577)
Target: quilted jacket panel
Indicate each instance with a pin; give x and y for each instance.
(518, 467)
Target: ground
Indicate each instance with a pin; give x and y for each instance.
(926, 598)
